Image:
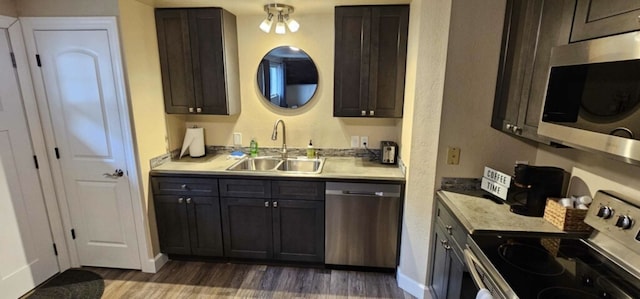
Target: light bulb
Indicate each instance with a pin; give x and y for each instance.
(292, 24)
(280, 25)
(266, 23)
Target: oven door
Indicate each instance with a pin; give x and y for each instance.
(484, 275)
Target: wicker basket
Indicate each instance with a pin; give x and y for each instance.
(565, 219)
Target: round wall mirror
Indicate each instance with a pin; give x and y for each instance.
(287, 77)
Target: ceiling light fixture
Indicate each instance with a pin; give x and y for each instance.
(283, 12)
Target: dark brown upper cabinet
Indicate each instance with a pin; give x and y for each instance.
(370, 60)
(531, 29)
(598, 18)
(199, 60)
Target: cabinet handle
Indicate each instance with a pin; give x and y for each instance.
(363, 113)
(189, 200)
(190, 109)
(445, 244)
(509, 127)
(183, 187)
(180, 200)
(275, 204)
(266, 204)
(449, 229)
(198, 109)
(371, 112)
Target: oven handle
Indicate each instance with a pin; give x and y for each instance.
(472, 261)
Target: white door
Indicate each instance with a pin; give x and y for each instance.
(83, 101)
(27, 257)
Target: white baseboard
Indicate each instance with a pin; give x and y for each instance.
(153, 265)
(411, 286)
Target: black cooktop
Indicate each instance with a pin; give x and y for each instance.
(556, 268)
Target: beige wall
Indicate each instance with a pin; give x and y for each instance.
(567, 158)
(429, 23)
(8, 8)
(58, 8)
(139, 45)
(312, 121)
(472, 66)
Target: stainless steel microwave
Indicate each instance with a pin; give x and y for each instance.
(593, 96)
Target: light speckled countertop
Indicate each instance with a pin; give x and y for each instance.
(479, 214)
(334, 168)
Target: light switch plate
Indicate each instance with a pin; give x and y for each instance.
(355, 142)
(237, 139)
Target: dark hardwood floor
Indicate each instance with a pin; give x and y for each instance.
(187, 279)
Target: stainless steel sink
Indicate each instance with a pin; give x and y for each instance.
(302, 165)
(274, 164)
(255, 164)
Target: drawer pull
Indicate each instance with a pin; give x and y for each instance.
(183, 187)
(449, 229)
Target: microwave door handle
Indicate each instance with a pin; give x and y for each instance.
(472, 261)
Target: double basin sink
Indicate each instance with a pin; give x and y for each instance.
(277, 164)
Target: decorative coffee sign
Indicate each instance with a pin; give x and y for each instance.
(496, 182)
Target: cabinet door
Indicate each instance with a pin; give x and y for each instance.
(598, 18)
(531, 29)
(247, 227)
(441, 263)
(205, 230)
(352, 55)
(174, 47)
(298, 230)
(456, 271)
(389, 29)
(173, 226)
(206, 35)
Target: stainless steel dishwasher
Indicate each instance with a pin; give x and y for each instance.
(361, 224)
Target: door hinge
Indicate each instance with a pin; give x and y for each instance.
(55, 249)
(13, 60)
(38, 60)
(73, 233)
(57, 153)
(35, 160)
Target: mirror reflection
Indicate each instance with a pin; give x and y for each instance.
(287, 77)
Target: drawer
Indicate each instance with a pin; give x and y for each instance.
(297, 190)
(184, 186)
(451, 225)
(245, 188)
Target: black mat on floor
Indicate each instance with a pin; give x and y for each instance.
(73, 283)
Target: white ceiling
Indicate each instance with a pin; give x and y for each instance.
(255, 7)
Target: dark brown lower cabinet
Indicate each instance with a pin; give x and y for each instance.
(278, 220)
(298, 230)
(247, 227)
(189, 225)
(291, 230)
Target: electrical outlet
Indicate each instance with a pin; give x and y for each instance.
(453, 156)
(237, 139)
(364, 141)
(355, 142)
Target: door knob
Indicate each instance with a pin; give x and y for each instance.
(116, 174)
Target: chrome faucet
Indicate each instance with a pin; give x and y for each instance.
(274, 136)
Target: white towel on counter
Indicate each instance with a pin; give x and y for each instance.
(484, 294)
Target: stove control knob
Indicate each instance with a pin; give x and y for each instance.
(605, 212)
(624, 222)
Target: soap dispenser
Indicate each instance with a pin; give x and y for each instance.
(311, 152)
(253, 148)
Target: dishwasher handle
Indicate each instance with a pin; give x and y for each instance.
(362, 193)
